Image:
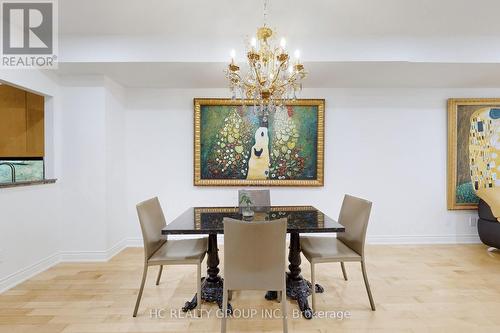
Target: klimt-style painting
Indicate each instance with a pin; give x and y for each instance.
(237, 144)
(473, 152)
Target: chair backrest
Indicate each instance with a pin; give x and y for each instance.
(254, 254)
(152, 221)
(354, 216)
(258, 198)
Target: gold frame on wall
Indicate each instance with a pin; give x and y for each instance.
(453, 104)
(198, 181)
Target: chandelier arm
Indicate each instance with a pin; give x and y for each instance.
(237, 75)
(256, 72)
(249, 86)
(277, 73)
(238, 80)
(291, 81)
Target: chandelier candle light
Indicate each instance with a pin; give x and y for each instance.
(272, 78)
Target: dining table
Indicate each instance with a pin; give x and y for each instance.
(209, 221)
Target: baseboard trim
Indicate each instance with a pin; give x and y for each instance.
(424, 239)
(24, 274)
(94, 256)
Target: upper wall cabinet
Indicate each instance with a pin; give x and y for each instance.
(35, 137)
(21, 123)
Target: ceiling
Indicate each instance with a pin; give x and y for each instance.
(345, 43)
(305, 18)
(322, 74)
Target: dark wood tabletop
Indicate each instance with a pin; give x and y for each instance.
(208, 220)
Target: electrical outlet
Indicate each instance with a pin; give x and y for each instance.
(473, 221)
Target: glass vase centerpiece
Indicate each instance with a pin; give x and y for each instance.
(245, 202)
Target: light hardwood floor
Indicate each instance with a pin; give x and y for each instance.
(445, 288)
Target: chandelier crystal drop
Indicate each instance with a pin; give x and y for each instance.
(272, 77)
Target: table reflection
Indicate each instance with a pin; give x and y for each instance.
(299, 217)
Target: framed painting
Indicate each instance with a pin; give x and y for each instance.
(235, 144)
(470, 122)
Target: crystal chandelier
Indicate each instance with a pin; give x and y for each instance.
(272, 77)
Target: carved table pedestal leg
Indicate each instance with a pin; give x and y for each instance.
(297, 287)
(211, 287)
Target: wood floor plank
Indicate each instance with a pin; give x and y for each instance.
(438, 288)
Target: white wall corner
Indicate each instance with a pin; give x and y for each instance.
(24, 274)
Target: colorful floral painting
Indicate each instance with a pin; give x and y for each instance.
(236, 144)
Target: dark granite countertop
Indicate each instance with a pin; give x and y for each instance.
(208, 220)
(28, 183)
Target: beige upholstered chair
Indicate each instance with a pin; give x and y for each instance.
(348, 246)
(254, 259)
(259, 198)
(158, 251)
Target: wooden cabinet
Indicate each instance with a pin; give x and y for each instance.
(35, 137)
(12, 121)
(21, 123)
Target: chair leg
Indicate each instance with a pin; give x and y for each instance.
(280, 295)
(365, 277)
(224, 310)
(343, 270)
(230, 295)
(284, 312)
(313, 291)
(139, 295)
(159, 275)
(198, 288)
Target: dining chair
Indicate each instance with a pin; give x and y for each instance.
(258, 198)
(158, 251)
(254, 259)
(349, 246)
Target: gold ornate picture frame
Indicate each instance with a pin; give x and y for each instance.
(460, 192)
(233, 146)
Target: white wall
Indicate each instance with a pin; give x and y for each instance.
(30, 217)
(112, 148)
(79, 217)
(387, 145)
(94, 172)
(83, 178)
(116, 166)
